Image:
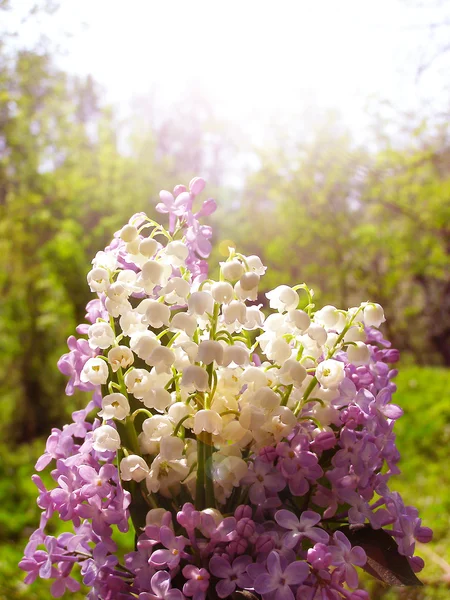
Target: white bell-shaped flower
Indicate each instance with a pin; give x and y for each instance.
(95, 371)
(154, 273)
(210, 351)
(200, 304)
(254, 317)
(176, 253)
(101, 335)
(228, 470)
(330, 373)
(162, 358)
(255, 377)
(158, 399)
(237, 354)
(176, 291)
(114, 406)
(373, 315)
(358, 354)
(120, 357)
(355, 334)
(138, 382)
(106, 438)
(232, 270)
(171, 448)
(278, 350)
(133, 247)
(255, 265)
(118, 292)
(148, 247)
(283, 298)
(98, 280)
(317, 333)
(105, 260)
(299, 319)
(157, 427)
(183, 322)
(194, 378)
(233, 312)
(222, 292)
(131, 322)
(328, 316)
(143, 343)
(266, 398)
(156, 314)
(133, 467)
(209, 421)
(247, 287)
(178, 411)
(291, 372)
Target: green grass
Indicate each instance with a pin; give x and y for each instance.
(423, 439)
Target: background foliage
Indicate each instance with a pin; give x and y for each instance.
(355, 223)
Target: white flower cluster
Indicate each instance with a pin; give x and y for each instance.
(216, 379)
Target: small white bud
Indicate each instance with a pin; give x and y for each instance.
(255, 265)
(232, 270)
(222, 292)
(317, 333)
(148, 247)
(300, 319)
(328, 316)
(177, 253)
(128, 233)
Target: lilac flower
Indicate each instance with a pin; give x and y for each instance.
(161, 588)
(197, 582)
(299, 529)
(97, 481)
(277, 581)
(344, 557)
(172, 555)
(230, 575)
(263, 479)
(320, 556)
(72, 363)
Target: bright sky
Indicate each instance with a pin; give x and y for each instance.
(253, 58)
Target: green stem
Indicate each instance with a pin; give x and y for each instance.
(200, 484)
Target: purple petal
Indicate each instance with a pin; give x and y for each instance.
(160, 583)
(265, 583)
(225, 588)
(308, 519)
(219, 566)
(296, 572)
(287, 519)
(274, 564)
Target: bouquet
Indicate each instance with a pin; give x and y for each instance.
(249, 449)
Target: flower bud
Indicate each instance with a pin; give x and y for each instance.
(148, 247)
(222, 292)
(133, 467)
(128, 233)
(232, 270)
(300, 319)
(106, 438)
(197, 185)
(317, 333)
(249, 281)
(255, 265)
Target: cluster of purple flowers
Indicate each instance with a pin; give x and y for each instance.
(313, 467)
